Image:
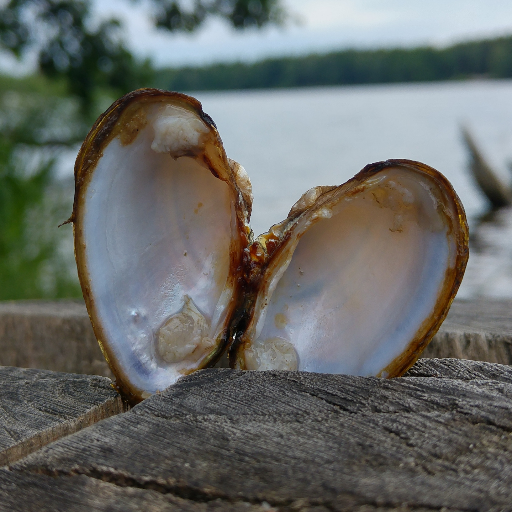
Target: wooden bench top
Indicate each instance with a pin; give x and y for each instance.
(221, 439)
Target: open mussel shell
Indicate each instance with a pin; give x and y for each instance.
(160, 226)
(356, 280)
(359, 277)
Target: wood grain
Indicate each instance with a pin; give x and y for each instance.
(41, 493)
(53, 335)
(439, 438)
(58, 335)
(479, 329)
(38, 407)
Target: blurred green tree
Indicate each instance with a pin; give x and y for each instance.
(80, 61)
(36, 128)
(88, 55)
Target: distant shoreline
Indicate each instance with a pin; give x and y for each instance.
(481, 59)
(305, 88)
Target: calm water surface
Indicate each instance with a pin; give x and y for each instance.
(292, 140)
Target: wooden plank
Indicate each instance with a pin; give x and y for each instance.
(58, 335)
(54, 335)
(440, 437)
(41, 493)
(39, 406)
(478, 329)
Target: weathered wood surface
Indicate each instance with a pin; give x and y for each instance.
(438, 439)
(58, 335)
(479, 329)
(38, 407)
(52, 335)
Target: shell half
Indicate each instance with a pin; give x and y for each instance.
(160, 228)
(359, 277)
(356, 280)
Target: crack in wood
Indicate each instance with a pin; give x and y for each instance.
(40, 439)
(38, 407)
(180, 490)
(343, 501)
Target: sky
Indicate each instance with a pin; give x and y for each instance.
(316, 26)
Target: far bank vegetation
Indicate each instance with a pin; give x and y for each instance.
(490, 58)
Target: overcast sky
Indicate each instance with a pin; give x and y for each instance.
(314, 26)
(323, 25)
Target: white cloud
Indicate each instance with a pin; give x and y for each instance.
(340, 13)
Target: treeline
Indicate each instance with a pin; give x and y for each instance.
(490, 58)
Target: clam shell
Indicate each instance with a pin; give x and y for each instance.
(160, 228)
(357, 279)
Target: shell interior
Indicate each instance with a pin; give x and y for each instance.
(356, 280)
(160, 230)
(364, 278)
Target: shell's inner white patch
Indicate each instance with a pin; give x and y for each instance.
(271, 354)
(243, 180)
(398, 199)
(184, 336)
(175, 133)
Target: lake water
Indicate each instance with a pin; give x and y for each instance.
(292, 140)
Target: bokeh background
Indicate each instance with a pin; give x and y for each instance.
(304, 92)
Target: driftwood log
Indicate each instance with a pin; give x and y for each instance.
(493, 187)
(437, 439)
(58, 335)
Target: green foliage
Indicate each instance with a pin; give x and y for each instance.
(82, 67)
(178, 15)
(36, 126)
(68, 48)
(490, 58)
(31, 263)
(90, 57)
